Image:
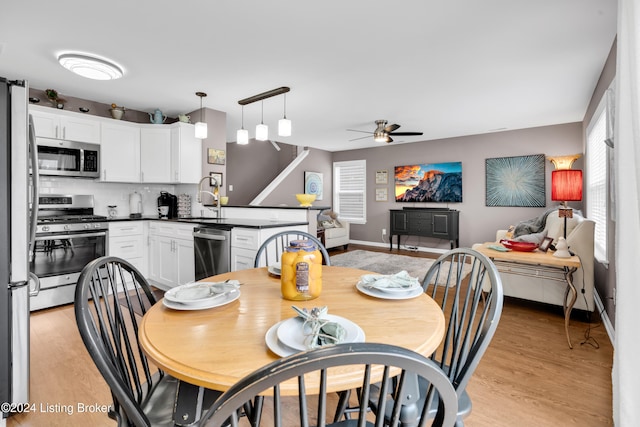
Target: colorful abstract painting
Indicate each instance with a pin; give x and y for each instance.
(516, 181)
(429, 182)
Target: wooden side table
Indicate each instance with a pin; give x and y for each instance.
(538, 264)
(320, 234)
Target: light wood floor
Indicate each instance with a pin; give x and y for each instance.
(528, 376)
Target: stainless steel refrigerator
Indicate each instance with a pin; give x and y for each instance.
(17, 229)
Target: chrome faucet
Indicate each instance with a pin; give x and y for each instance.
(214, 194)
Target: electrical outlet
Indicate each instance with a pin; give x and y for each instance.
(230, 187)
(384, 231)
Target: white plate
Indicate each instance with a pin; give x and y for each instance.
(198, 293)
(377, 293)
(290, 333)
(216, 302)
(273, 344)
(273, 270)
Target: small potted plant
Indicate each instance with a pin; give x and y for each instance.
(52, 96)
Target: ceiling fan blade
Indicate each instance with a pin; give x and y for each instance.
(391, 128)
(405, 133)
(362, 137)
(363, 131)
(388, 140)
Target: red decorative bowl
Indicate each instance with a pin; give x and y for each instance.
(519, 246)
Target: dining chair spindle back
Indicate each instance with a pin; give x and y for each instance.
(271, 249)
(379, 362)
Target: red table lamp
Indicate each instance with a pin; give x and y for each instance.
(566, 186)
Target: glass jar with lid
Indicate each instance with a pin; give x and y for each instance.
(301, 271)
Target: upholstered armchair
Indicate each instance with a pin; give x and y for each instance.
(334, 231)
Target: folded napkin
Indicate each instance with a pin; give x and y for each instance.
(400, 280)
(498, 248)
(321, 331)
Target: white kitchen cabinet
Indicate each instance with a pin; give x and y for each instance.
(245, 243)
(126, 241)
(171, 254)
(120, 152)
(155, 154)
(65, 125)
(186, 154)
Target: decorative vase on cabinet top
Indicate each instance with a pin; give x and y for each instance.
(156, 117)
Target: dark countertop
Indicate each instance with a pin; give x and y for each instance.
(223, 222)
(320, 208)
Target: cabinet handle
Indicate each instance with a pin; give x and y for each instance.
(104, 174)
(64, 133)
(56, 131)
(244, 239)
(141, 176)
(126, 246)
(176, 178)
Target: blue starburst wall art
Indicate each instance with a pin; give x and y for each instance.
(515, 181)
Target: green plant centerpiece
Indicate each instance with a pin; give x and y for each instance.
(52, 96)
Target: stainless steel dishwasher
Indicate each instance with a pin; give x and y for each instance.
(212, 247)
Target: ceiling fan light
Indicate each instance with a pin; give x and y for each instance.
(90, 67)
(242, 137)
(262, 132)
(284, 127)
(380, 137)
(201, 130)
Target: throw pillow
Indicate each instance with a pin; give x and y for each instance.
(536, 238)
(555, 225)
(336, 223)
(327, 224)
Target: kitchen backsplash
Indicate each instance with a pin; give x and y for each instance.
(110, 193)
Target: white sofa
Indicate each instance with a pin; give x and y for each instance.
(580, 240)
(337, 236)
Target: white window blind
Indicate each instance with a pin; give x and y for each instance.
(596, 159)
(349, 190)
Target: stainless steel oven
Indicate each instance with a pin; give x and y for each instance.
(68, 236)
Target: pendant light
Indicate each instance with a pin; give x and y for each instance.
(262, 130)
(284, 124)
(242, 137)
(201, 126)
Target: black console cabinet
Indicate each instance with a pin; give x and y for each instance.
(427, 222)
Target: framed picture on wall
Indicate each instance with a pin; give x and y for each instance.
(313, 184)
(382, 194)
(515, 181)
(215, 177)
(382, 177)
(216, 157)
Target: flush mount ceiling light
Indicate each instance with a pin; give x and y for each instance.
(201, 126)
(90, 67)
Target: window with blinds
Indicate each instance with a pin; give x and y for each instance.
(349, 190)
(596, 179)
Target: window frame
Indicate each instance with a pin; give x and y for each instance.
(360, 189)
(597, 199)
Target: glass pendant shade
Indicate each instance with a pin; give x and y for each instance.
(284, 127)
(242, 137)
(201, 130)
(262, 132)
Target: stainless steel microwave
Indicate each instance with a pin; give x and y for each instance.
(68, 158)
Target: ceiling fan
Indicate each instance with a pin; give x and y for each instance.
(382, 132)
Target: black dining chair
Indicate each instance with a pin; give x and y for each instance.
(313, 374)
(468, 288)
(272, 248)
(111, 298)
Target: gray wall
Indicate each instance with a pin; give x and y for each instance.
(478, 223)
(252, 167)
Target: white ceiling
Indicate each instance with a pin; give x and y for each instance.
(447, 68)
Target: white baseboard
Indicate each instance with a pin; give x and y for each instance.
(608, 326)
(386, 245)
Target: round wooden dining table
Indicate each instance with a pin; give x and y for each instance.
(216, 347)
